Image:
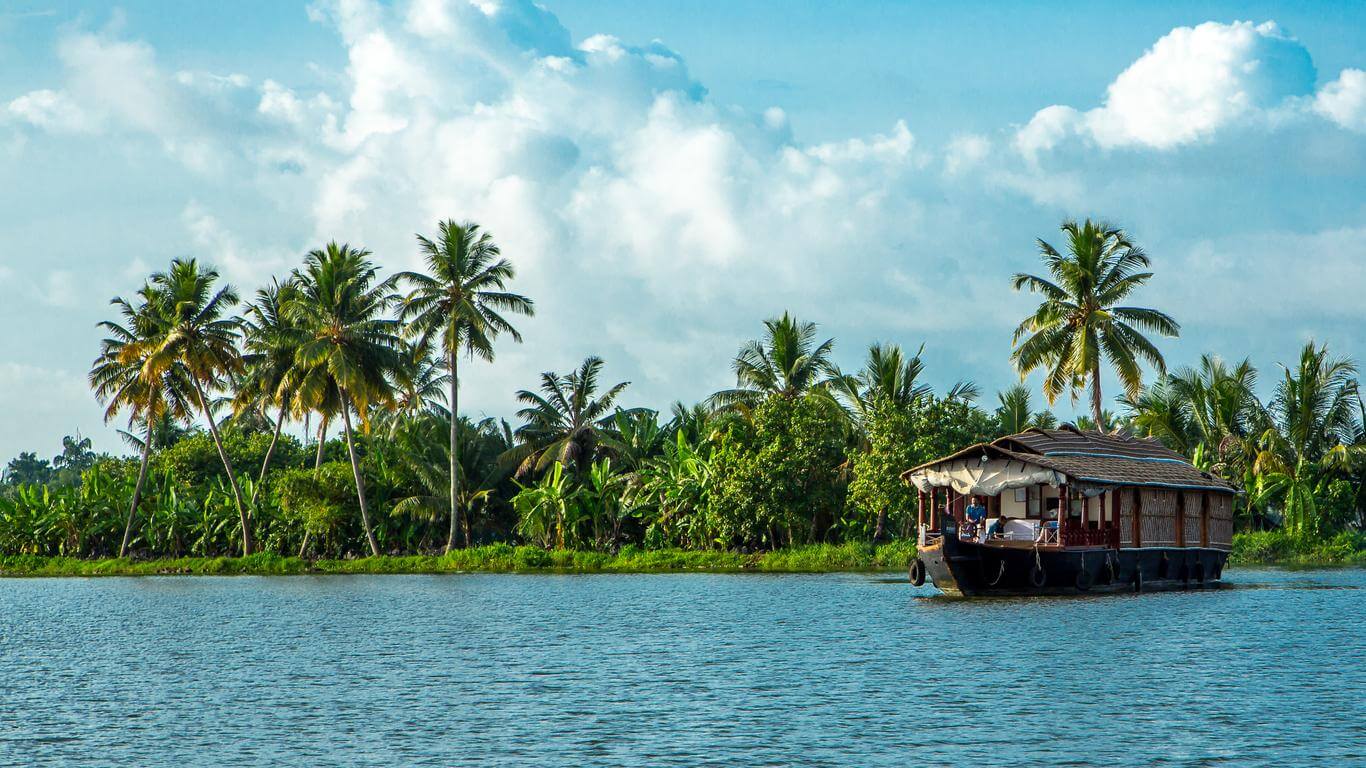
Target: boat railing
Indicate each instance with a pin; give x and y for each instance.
(1074, 536)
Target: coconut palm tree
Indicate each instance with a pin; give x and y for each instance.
(463, 302)
(271, 340)
(1016, 412)
(350, 346)
(887, 373)
(566, 421)
(197, 336)
(1314, 413)
(1080, 323)
(119, 385)
(421, 386)
(787, 362)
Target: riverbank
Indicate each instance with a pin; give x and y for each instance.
(1277, 548)
(1264, 548)
(496, 558)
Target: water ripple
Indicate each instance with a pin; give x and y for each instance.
(675, 670)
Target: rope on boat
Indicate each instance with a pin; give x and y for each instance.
(1110, 563)
(999, 574)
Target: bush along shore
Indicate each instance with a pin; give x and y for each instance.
(317, 422)
(495, 558)
(1263, 548)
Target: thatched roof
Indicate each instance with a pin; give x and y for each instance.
(1096, 458)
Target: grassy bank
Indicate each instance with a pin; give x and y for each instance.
(497, 558)
(1280, 548)
(1249, 549)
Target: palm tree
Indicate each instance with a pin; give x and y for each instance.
(421, 386)
(1222, 398)
(1016, 413)
(424, 454)
(565, 422)
(787, 362)
(463, 301)
(1080, 321)
(887, 374)
(271, 339)
(350, 345)
(1163, 411)
(1314, 412)
(119, 384)
(194, 335)
(635, 437)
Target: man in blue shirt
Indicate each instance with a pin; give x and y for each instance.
(975, 514)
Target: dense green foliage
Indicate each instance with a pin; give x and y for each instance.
(494, 558)
(799, 460)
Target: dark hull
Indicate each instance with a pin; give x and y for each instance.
(968, 569)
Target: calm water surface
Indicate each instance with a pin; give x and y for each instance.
(676, 670)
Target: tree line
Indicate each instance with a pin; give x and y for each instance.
(798, 451)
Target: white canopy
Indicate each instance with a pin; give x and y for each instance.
(973, 475)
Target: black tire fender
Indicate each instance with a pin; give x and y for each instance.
(1038, 576)
(917, 573)
(1084, 580)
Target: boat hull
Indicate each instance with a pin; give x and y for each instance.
(969, 569)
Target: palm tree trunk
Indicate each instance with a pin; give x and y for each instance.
(1095, 396)
(355, 470)
(453, 359)
(227, 465)
(265, 464)
(137, 489)
(304, 546)
(881, 524)
(322, 438)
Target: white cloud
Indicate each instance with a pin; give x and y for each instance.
(1344, 100)
(965, 152)
(50, 110)
(1191, 83)
(657, 227)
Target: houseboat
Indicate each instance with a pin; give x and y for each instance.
(1056, 511)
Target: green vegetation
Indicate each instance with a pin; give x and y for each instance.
(494, 558)
(795, 468)
(1285, 548)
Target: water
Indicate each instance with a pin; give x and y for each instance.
(676, 670)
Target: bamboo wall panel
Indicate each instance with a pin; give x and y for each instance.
(1158, 520)
(1221, 521)
(1192, 519)
(1126, 516)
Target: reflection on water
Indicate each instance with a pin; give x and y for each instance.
(676, 670)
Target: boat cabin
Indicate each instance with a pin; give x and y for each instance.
(1072, 489)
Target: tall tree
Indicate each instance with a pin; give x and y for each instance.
(271, 340)
(1016, 412)
(1080, 323)
(886, 373)
(566, 420)
(462, 300)
(118, 381)
(350, 346)
(1314, 412)
(195, 334)
(788, 361)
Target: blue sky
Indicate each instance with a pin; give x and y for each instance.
(669, 174)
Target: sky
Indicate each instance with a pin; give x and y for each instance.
(666, 175)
